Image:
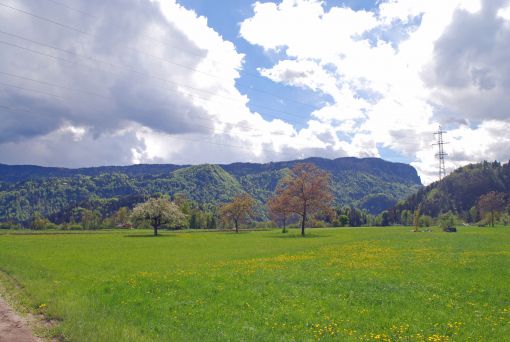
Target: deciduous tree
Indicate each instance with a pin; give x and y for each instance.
(448, 220)
(121, 217)
(416, 220)
(307, 190)
(239, 210)
(492, 202)
(279, 207)
(405, 217)
(158, 212)
(39, 222)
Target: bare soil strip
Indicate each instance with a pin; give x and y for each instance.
(14, 328)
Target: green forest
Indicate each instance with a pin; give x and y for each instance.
(93, 197)
(366, 192)
(459, 193)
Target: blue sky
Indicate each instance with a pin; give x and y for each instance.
(267, 97)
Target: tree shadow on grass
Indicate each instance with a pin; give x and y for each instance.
(149, 236)
(234, 232)
(297, 236)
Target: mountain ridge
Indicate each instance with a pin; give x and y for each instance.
(56, 192)
(12, 173)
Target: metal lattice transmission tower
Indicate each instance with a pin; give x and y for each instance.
(441, 154)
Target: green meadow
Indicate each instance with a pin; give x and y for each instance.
(363, 284)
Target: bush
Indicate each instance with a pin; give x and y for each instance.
(343, 220)
(72, 226)
(448, 220)
(43, 224)
(142, 225)
(10, 225)
(425, 221)
(264, 225)
(318, 224)
(505, 219)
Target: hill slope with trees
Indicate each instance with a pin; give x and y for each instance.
(459, 192)
(57, 193)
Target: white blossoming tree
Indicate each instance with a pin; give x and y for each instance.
(158, 212)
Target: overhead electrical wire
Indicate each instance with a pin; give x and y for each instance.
(213, 131)
(95, 60)
(132, 70)
(77, 30)
(108, 71)
(83, 91)
(66, 6)
(64, 99)
(179, 137)
(86, 92)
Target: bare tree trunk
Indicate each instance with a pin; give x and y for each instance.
(156, 225)
(284, 225)
(237, 226)
(305, 209)
(303, 221)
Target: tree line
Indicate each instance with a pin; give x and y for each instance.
(303, 198)
(56, 197)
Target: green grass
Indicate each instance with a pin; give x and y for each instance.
(367, 284)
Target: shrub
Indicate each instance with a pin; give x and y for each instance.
(448, 220)
(10, 225)
(425, 221)
(73, 226)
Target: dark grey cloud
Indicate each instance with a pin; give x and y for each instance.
(459, 156)
(470, 73)
(23, 117)
(116, 71)
(63, 148)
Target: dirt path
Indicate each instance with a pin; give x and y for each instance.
(14, 328)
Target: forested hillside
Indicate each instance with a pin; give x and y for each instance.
(459, 191)
(370, 183)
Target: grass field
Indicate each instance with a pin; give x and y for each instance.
(369, 284)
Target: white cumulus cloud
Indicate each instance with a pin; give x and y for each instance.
(395, 73)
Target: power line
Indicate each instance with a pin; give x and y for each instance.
(81, 91)
(95, 60)
(31, 90)
(77, 30)
(174, 137)
(86, 92)
(66, 6)
(159, 41)
(17, 110)
(212, 131)
(215, 131)
(441, 154)
(104, 97)
(134, 71)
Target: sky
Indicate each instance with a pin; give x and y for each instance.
(119, 82)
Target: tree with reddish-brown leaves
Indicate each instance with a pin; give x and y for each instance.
(307, 190)
(279, 208)
(492, 202)
(237, 211)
